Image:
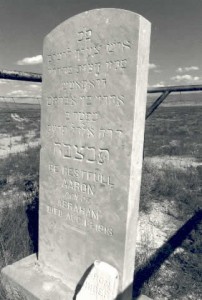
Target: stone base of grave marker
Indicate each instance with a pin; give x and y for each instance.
(25, 280)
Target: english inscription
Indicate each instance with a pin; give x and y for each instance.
(79, 218)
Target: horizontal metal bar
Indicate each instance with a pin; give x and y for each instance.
(182, 88)
(17, 75)
(28, 76)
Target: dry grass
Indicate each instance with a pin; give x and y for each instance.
(169, 198)
(19, 210)
(174, 131)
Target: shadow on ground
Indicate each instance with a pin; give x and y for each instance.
(32, 212)
(144, 272)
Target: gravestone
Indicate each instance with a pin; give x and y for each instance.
(92, 129)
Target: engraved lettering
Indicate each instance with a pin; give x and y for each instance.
(53, 168)
(116, 65)
(103, 156)
(54, 211)
(79, 155)
(67, 150)
(91, 154)
(84, 84)
(115, 47)
(86, 34)
(76, 186)
(57, 147)
(82, 153)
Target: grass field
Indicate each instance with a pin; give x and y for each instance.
(174, 131)
(19, 119)
(169, 246)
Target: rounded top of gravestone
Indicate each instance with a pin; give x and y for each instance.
(100, 12)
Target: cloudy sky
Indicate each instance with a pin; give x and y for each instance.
(176, 38)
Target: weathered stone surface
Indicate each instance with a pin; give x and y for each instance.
(100, 284)
(93, 111)
(92, 129)
(25, 280)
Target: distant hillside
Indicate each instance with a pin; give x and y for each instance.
(20, 100)
(178, 99)
(19, 103)
(174, 99)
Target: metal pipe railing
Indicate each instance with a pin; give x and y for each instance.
(182, 88)
(28, 76)
(165, 90)
(18, 75)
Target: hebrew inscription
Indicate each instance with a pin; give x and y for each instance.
(81, 136)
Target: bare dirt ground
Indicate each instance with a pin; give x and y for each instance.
(175, 162)
(14, 144)
(170, 229)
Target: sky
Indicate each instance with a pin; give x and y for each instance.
(176, 37)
